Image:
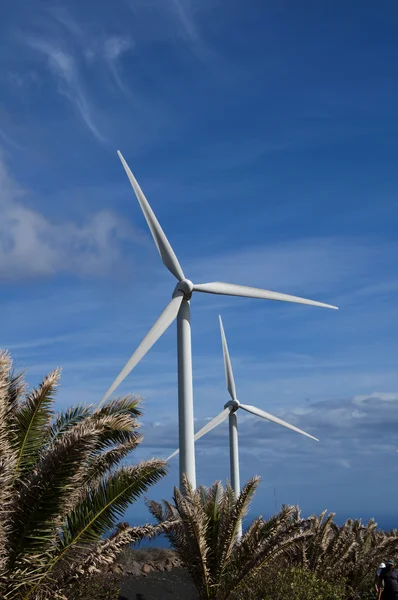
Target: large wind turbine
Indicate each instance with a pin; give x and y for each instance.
(230, 410)
(179, 308)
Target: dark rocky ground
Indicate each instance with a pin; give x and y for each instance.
(154, 574)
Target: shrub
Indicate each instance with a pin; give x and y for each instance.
(293, 583)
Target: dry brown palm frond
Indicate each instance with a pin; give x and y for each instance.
(193, 538)
(265, 540)
(237, 510)
(102, 555)
(129, 404)
(349, 552)
(9, 389)
(205, 536)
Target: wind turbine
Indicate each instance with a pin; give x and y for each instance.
(179, 308)
(230, 410)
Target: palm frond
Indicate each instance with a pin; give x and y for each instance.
(16, 388)
(7, 408)
(9, 384)
(48, 493)
(126, 405)
(66, 420)
(235, 516)
(95, 514)
(60, 486)
(117, 427)
(33, 419)
(102, 463)
(104, 553)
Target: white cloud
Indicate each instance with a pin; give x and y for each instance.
(63, 66)
(334, 422)
(115, 46)
(383, 396)
(33, 246)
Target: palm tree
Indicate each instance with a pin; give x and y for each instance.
(206, 524)
(62, 488)
(348, 552)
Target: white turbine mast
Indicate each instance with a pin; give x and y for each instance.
(230, 410)
(179, 308)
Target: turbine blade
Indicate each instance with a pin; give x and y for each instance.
(208, 427)
(231, 289)
(229, 376)
(261, 413)
(163, 322)
(165, 250)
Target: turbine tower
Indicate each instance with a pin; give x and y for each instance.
(179, 308)
(230, 411)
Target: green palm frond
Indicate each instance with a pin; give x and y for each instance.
(97, 511)
(66, 420)
(33, 419)
(48, 493)
(94, 515)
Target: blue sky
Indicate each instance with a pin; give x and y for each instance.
(264, 134)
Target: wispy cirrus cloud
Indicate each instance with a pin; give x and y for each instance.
(64, 68)
(71, 50)
(105, 48)
(113, 48)
(187, 19)
(8, 140)
(184, 13)
(171, 21)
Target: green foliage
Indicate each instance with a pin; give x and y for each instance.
(62, 488)
(294, 583)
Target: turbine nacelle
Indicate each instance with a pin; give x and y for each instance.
(186, 287)
(233, 405)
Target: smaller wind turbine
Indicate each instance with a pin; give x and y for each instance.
(230, 410)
